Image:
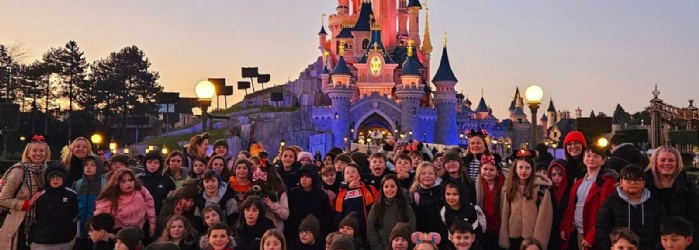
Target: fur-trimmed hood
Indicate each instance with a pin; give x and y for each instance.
(542, 180)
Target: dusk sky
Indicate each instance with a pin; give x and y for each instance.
(587, 54)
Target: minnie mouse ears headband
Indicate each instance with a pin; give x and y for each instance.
(420, 237)
(38, 138)
(480, 133)
(523, 153)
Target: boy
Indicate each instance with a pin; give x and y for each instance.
(101, 231)
(630, 206)
(309, 235)
(377, 165)
(341, 162)
(116, 163)
(624, 239)
(56, 207)
(330, 183)
(87, 189)
(355, 197)
(307, 192)
(129, 238)
(676, 233)
(404, 171)
(462, 236)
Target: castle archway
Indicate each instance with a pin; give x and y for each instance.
(375, 125)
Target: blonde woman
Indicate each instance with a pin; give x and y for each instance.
(73, 160)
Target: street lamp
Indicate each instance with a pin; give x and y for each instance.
(461, 138)
(424, 136)
(602, 142)
(368, 147)
(126, 150)
(554, 145)
(534, 93)
(96, 139)
(411, 135)
(150, 148)
(164, 150)
(495, 146)
(22, 138)
(113, 146)
(205, 90)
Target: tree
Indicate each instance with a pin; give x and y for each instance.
(621, 115)
(592, 114)
(73, 69)
(9, 69)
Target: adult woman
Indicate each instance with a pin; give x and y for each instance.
(575, 145)
(73, 160)
(476, 147)
(667, 181)
(391, 208)
(23, 181)
(197, 147)
(221, 149)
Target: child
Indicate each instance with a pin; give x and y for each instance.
(198, 168)
(128, 201)
(329, 239)
(308, 192)
(241, 181)
(560, 194)
(273, 240)
(462, 236)
(56, 206)
(457, 208)
(391, 208)
(219, 238)
(377, 165)
(630, 206)
(624, 239)
(531, 244)
(340, 163)
(400, 238)
(676, 233)
(330, 184)
(426, 241)
(116, 162)
(129, 238)
(182, 203)
(173, 167)
(342, 242)
(87, 189)
(216, 192)
(405, 171)
(101, 232)
(439, 163)
(309, 235)
(287, 166)
(456, 172)
(489, 198)
(218, 163)
(427, 200)
(158, 185)
(526, 207)
(212, 215)
(355, 197)
(252, 224)
(415, 158)
(179, 231)
(349, 226)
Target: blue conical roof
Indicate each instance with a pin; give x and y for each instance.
(544, 118)
(341, 67)
(322, 31)
(519, 111)
(410, 67)
(482, 107)
(512, 106)
(325, 70)
(551, 107)
(376, 39)
(364, 20)
(414, 3)
(346, 33)
(444, 72)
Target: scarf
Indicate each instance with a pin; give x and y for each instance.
(31, 173)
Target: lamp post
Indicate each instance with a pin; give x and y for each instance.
(534, 93)
(96, 139)
(368, 147)
(126, 150)
(205, 91)
(411, 135)
(554, 145)
(164, 150)
(424, 136)
(112, 146)
(461, 138)
(495, 146)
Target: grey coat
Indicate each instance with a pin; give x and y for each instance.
(379, 237)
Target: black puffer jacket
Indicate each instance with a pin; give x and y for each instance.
(158, 185)
(682, 199)
(303, 203)
(290, 178)
(56, 208)
(644, 219)
(248, 237)
(427, 203)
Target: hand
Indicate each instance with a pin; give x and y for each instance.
(586, 244)
(267, 201)
(354, 184)
(331, 194)
(403, 176)
(563, 235)
(34, 197)
(151, 231)
(2, 182)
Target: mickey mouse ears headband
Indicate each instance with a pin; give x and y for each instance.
(38, 138)
(480, 133)
(420, 237)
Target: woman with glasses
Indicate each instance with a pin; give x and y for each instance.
(667, 181)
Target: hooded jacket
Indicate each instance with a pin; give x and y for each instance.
(466, 212)
(559, 198)
(55, 208)
(682, 199)
(290, 178)
(87, 189)
(158, 185)
(249, 237)
(302, 203)
(630, 153)
(522, 218)
(225, 200)
(492, 210)
(643, 217)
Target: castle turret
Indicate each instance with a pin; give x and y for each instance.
(403, 20)
(427, 42)
(322, 36)
(551, 113)
(445, 101)
(544, 123)
(409, 92)
(482, 111)
(342, 7)
(414, 8)
(340, 92)
(578, 113)
(325, 78)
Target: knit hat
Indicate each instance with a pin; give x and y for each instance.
(343, 242)
(351, 221)
(165, 245)
(188, 190)
(575, 136)
(451, 155)
(56, 172)
(400, 230)
(131, 236)
(221, 142)
(123, 159)
(155, 155)
(343, 158)
(312, 224)
(361, 158)
(305, 154)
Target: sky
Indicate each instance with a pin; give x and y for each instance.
(587, 54)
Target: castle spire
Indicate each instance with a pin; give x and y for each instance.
(444, 72)
(427, 42)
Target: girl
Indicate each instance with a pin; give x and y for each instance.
(456, 172)
(173, 167)
(277, 200)
(22, 185)
(221, 149)
(216, 192)
(273, 240)
(476, 147)
(531, 244)
(218, 238)
(329, 159)
(128, 201)
(456, 208)
(560, 194)
(241, 182)
(158, 185)
(427, 199)
(197, 147)
(426, 241)
(218, 163)
(198, 168)
(526, 205)
(179, 231)
(488, 197)
(251, 225)
(586, 198)
(287, 166)
(391, 208)
(575, 145)
(255, 161)
(73, 160)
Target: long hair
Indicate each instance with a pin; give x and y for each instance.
(513, 181)
(194, 142)
(653, 165)
(190, 235)
(531, 241)
(276, 234)
(111, 191)
(418, 172)
(225, 171)
(275, 185)
(25, 154)
(400, 201)
(296, 155)
(248, 203)
(67, 157)
(172, 154)
(192, 174)
(485, 146)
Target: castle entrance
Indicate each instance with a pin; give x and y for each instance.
(374, 127)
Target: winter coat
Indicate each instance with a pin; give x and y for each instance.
(16, 215)
(522, 218)
(559, 200)
(290, 178)
(682, 199)
(87, 190)
(318, 245)
(225, 200)
(370, 179)
(426, 204)
(76, 169)
(191, 246)
(55, 208)
(379, 238)
(158, 185)
(643, 218)
(303, 203)
(278, 211)
(603, 187)
(630, 153)
(492, 221)
(168, 210)
(249, 237)
(133, 209)
(357, 200)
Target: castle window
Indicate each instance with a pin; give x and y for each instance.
(365, 43)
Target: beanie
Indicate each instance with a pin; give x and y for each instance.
(164, 245)
(361, 158)
(188, 190)
(56, 172)
(131, 236)
(351, 221)
(400, 230)
(575, 136)
(451, 155)
(123, 159)
(343, 158)
(312, 224)
(305, 154)
(343, 242)
(221, 142)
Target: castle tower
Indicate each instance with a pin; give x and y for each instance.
(388, 21)
(543, 122)
(342, 7)
(361, 31)
(578, 113)
(482, 111)
(325, 78)
(403, 21)
(322, 36)
(340, 92)
(409, 92)
(445, 100)
(427, 42)
(551, 113)
(414, 8)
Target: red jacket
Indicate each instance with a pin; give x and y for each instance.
(603, 187)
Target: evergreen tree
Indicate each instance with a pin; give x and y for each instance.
(592, 114)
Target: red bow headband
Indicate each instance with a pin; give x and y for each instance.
(523, 153)
(480, 133)
(38, 138)
(488, 159)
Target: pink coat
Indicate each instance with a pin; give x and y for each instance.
(133, 210)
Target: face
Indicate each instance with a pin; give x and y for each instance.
(403, 166)
(476, 145)
(452, 166)
(306, 237)
(218, 165)
(56, 181)
(377, 166)
(177, 230)
(272, 243)
(390, 189)
(451, 196)
(623, 244)
(37, 152)
(489, 172)
(462, 241)
(119, 245)
(305, 160)
(116, 166)
(424, 246)
(666, 163)
(306, 181)
(218, 239)
(439, 166)
(328, 161)
(90, 168)
(632, 187)
(211, 185)
(198, 167)
(524, 170)
(221, 150)
(211, 218)
(175, 163)
(187, 204)
(340, 166)
(427, 177)
(399, 243)
(80, 149)
(347, 231)
(556, 176)
(592, 160)
(288, 157)
(574, 148)
(241, 171)
(675, 242)
(152, 165)
(416, 160)
(329, 178)
(351, 174)
(126, 183)
(251, 215)
(202, 147)
(96, 235)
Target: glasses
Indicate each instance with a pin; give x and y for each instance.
(574, 144)
(305, 232)
(633, 180)
(55, 177)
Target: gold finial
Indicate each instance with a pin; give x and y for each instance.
(376, 46)
(342, 50)
(482, 93)
(444, 39)
(322, 19)
(326, 53)
(410, 47)
(373, 24)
